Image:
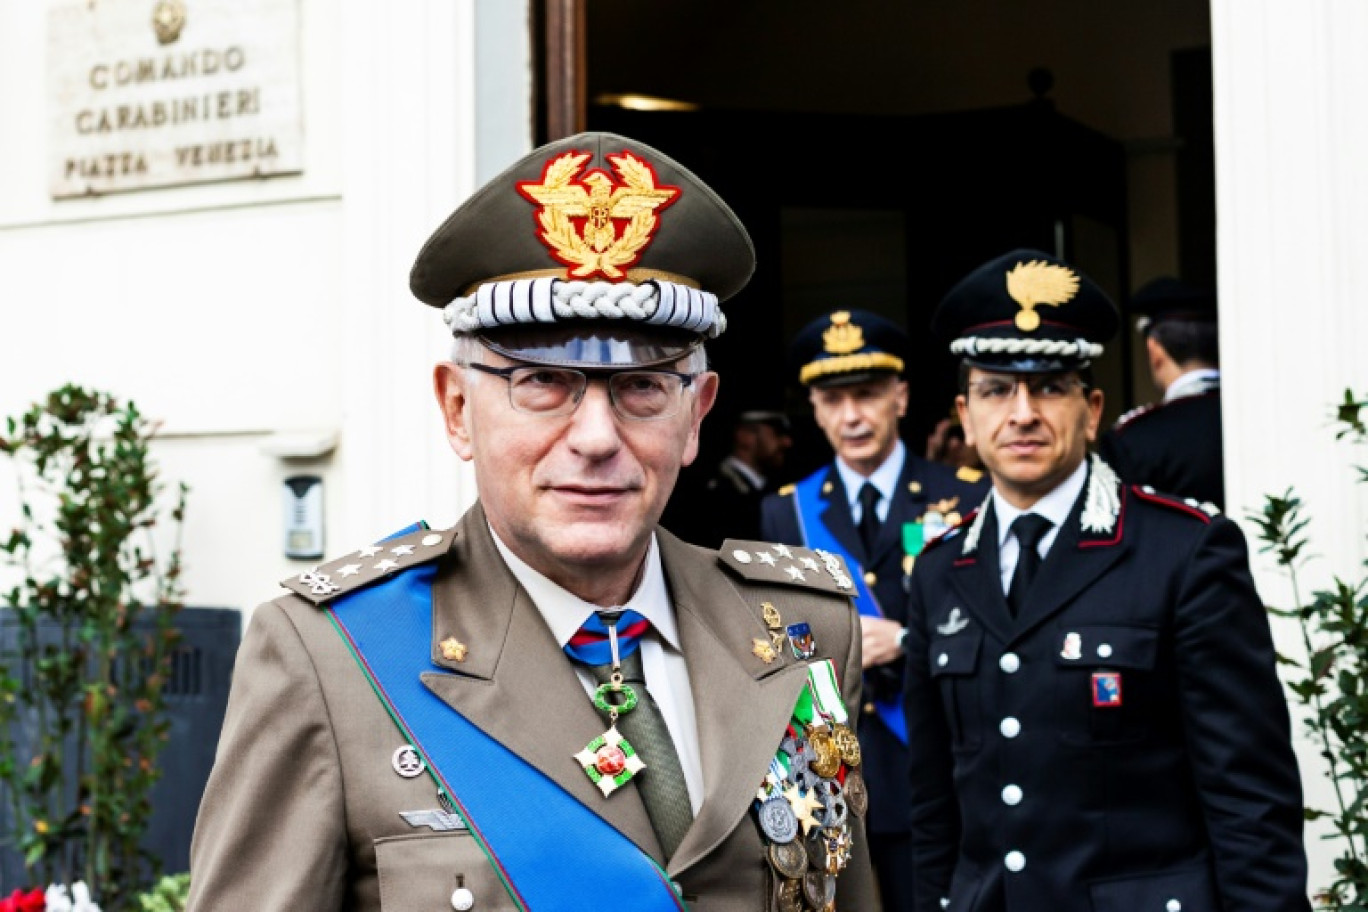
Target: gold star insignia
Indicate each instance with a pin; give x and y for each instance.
(453, 650)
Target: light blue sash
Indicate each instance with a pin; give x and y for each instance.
(807, 495)
(550, 851)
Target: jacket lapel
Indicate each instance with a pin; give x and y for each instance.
(741, 715)
(977, 579)
(515, 683)
(836, 516)
(1075, 560)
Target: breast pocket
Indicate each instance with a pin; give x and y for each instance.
(954, 667)
(425, 871)
(1104, 682)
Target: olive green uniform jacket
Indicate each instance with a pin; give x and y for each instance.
(302, 809)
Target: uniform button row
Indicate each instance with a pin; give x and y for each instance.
(1014, 861)
(1010, 727)
(1012, 795)
(1010, 662)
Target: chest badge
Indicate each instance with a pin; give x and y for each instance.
(1106, 688)
(1073, 647)
(954, 623)
(802, 641)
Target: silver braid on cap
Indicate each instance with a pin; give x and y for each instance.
(982, 345)
(550, 300)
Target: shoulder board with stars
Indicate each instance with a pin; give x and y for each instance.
(1189, 505)
(790, 565)
(359, 569)
(952, 531)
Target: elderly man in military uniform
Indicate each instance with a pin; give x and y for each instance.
(555, 704)
(1175, 444)
(876, 504)
(1094, 717)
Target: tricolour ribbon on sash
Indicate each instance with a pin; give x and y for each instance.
(808, 498)
(550, 851)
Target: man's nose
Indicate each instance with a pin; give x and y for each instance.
(1023, 409)
(594, 425)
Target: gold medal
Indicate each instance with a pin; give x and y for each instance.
(828, 761)
(847, 743)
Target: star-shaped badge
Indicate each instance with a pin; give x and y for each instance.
(803, 804)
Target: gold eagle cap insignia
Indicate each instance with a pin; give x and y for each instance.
(842, 337)
(1035, 283)
(596, 225)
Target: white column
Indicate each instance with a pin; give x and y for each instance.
(1291, 87)
(410, 117)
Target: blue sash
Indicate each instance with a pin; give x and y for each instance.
(550, 851)
(807, 496)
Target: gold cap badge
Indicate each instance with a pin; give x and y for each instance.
(592, 224)
(842, 337)
(1035, 283)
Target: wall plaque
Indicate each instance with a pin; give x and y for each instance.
(159, 93)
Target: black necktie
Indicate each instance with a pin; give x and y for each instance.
(869, 517)
(1028, 528)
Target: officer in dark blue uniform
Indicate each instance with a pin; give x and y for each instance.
(1175, 445)
(875, 504)
(1095, 720)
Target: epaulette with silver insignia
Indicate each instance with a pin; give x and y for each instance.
(1127, 417)
(1190, 505)
(767, 562)
(359, 569)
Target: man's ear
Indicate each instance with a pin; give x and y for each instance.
(705, 395)
(449, 382)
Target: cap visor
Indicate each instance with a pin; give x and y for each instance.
(594, 345)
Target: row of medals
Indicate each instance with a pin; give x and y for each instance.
(806, 816)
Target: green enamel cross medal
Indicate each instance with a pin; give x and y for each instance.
(609, 760)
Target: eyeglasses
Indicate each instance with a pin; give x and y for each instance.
(998, 391)
(636, 395)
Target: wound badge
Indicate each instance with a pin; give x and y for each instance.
(801, 639)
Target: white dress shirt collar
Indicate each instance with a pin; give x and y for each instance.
(1054, 506)
(565, 612)
(885, 479)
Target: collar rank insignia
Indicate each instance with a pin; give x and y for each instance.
(592, 224)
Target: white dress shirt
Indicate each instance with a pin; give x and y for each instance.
(1054, 506)
(884, 479)
(662, 660)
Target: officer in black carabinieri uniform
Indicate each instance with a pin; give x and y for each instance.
(1175, 445)
(1094, 717)
(851, 362)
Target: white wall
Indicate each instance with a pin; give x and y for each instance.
(244, 314)
(1292, 226)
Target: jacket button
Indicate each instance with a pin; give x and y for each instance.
(871, 578)
(1104, 651)
(1009, 662)
(1011, 795)
(1009, 727)
(1173, 905)
(462, 899)
(1014, 861)
(870, 709)
(942, 660)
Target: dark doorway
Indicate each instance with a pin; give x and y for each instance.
(883, 214)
